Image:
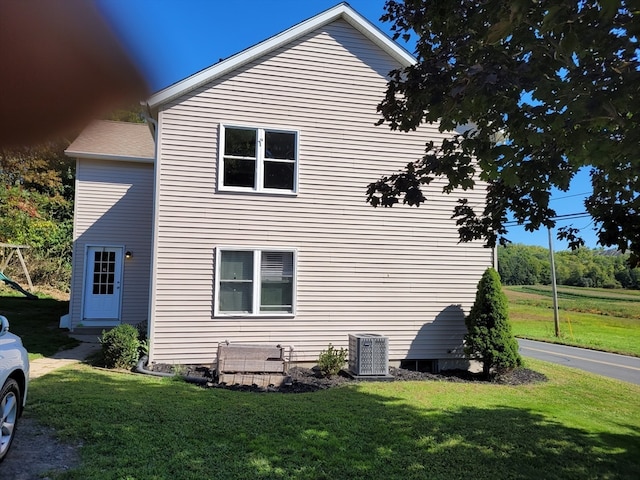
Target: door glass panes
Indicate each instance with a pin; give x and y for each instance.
(236, 281)
(276, 272)
(104, 268)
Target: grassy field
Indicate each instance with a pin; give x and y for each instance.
(589, 317)
(133, 427)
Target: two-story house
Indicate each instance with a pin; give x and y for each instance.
(238, 213)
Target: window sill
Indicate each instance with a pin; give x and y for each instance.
(254, 315)
(251, 191)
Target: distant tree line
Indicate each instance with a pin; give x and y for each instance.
(529, 265)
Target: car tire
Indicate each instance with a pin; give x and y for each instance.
(9, 413)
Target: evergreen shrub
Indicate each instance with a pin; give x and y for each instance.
(489, 338)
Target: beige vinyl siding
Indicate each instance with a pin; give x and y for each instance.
(114, 202)
(398, 272)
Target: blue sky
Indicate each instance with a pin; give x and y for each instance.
(173, 39)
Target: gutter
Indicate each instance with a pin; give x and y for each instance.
(151, 122)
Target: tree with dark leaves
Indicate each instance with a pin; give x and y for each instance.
(544, 88)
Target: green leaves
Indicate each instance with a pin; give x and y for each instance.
(36, 208)
(120, 346)
(331, 360)
(554, 82)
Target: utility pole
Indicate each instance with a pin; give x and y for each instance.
(554, 287)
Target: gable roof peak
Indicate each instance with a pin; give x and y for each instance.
(340, 11)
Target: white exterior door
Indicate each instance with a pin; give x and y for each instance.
(103, 278)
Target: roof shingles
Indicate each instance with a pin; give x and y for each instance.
(114, 140)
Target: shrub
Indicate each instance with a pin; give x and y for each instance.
(142, 328)
(489, 337)
(120, 346)
(331, 360)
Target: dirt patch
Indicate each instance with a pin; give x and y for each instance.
(36, 452)
(308, 380)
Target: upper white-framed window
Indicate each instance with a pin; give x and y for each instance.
(255, 281)
(253, 159)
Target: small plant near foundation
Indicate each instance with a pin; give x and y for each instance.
(331, 360)
(143, 349)
(142, 328)
(120, 346)
(142, 338)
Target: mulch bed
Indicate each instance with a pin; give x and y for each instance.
(308, 380)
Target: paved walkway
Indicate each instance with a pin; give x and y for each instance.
(42, 366)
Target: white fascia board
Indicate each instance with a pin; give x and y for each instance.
(340, 11)
(378, 37)
(105, 156)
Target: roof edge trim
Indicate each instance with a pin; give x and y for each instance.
(342, 10)
(107, 156)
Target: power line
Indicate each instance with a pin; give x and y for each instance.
(571, 216)
(568, 216)
(570, 196)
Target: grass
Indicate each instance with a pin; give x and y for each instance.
(133, 427)
(577, 425)
(36, 322)
(589, 317)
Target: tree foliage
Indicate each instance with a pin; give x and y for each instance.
(130, 113)
(529, 265)
(545, 89)
(489, 338)
(36, 207)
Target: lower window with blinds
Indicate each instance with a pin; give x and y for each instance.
(255, 281)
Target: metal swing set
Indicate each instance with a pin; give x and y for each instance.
(6, 258)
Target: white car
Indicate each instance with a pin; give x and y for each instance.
(14, 382)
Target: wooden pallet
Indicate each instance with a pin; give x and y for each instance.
(254, 379)
(243, 364)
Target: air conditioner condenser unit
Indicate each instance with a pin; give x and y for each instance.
(368, 354)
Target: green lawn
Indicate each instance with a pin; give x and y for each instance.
(36, 321)
(576, 425)
(134, 427)
(589, 317)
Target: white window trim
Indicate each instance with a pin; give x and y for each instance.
(259, 160)
(256, 283)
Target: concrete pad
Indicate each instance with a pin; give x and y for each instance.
(42, 366)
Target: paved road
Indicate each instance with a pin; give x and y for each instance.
(611, 365)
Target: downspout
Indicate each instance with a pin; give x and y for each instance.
(140, 368)
(151, 122)
(153, 127)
